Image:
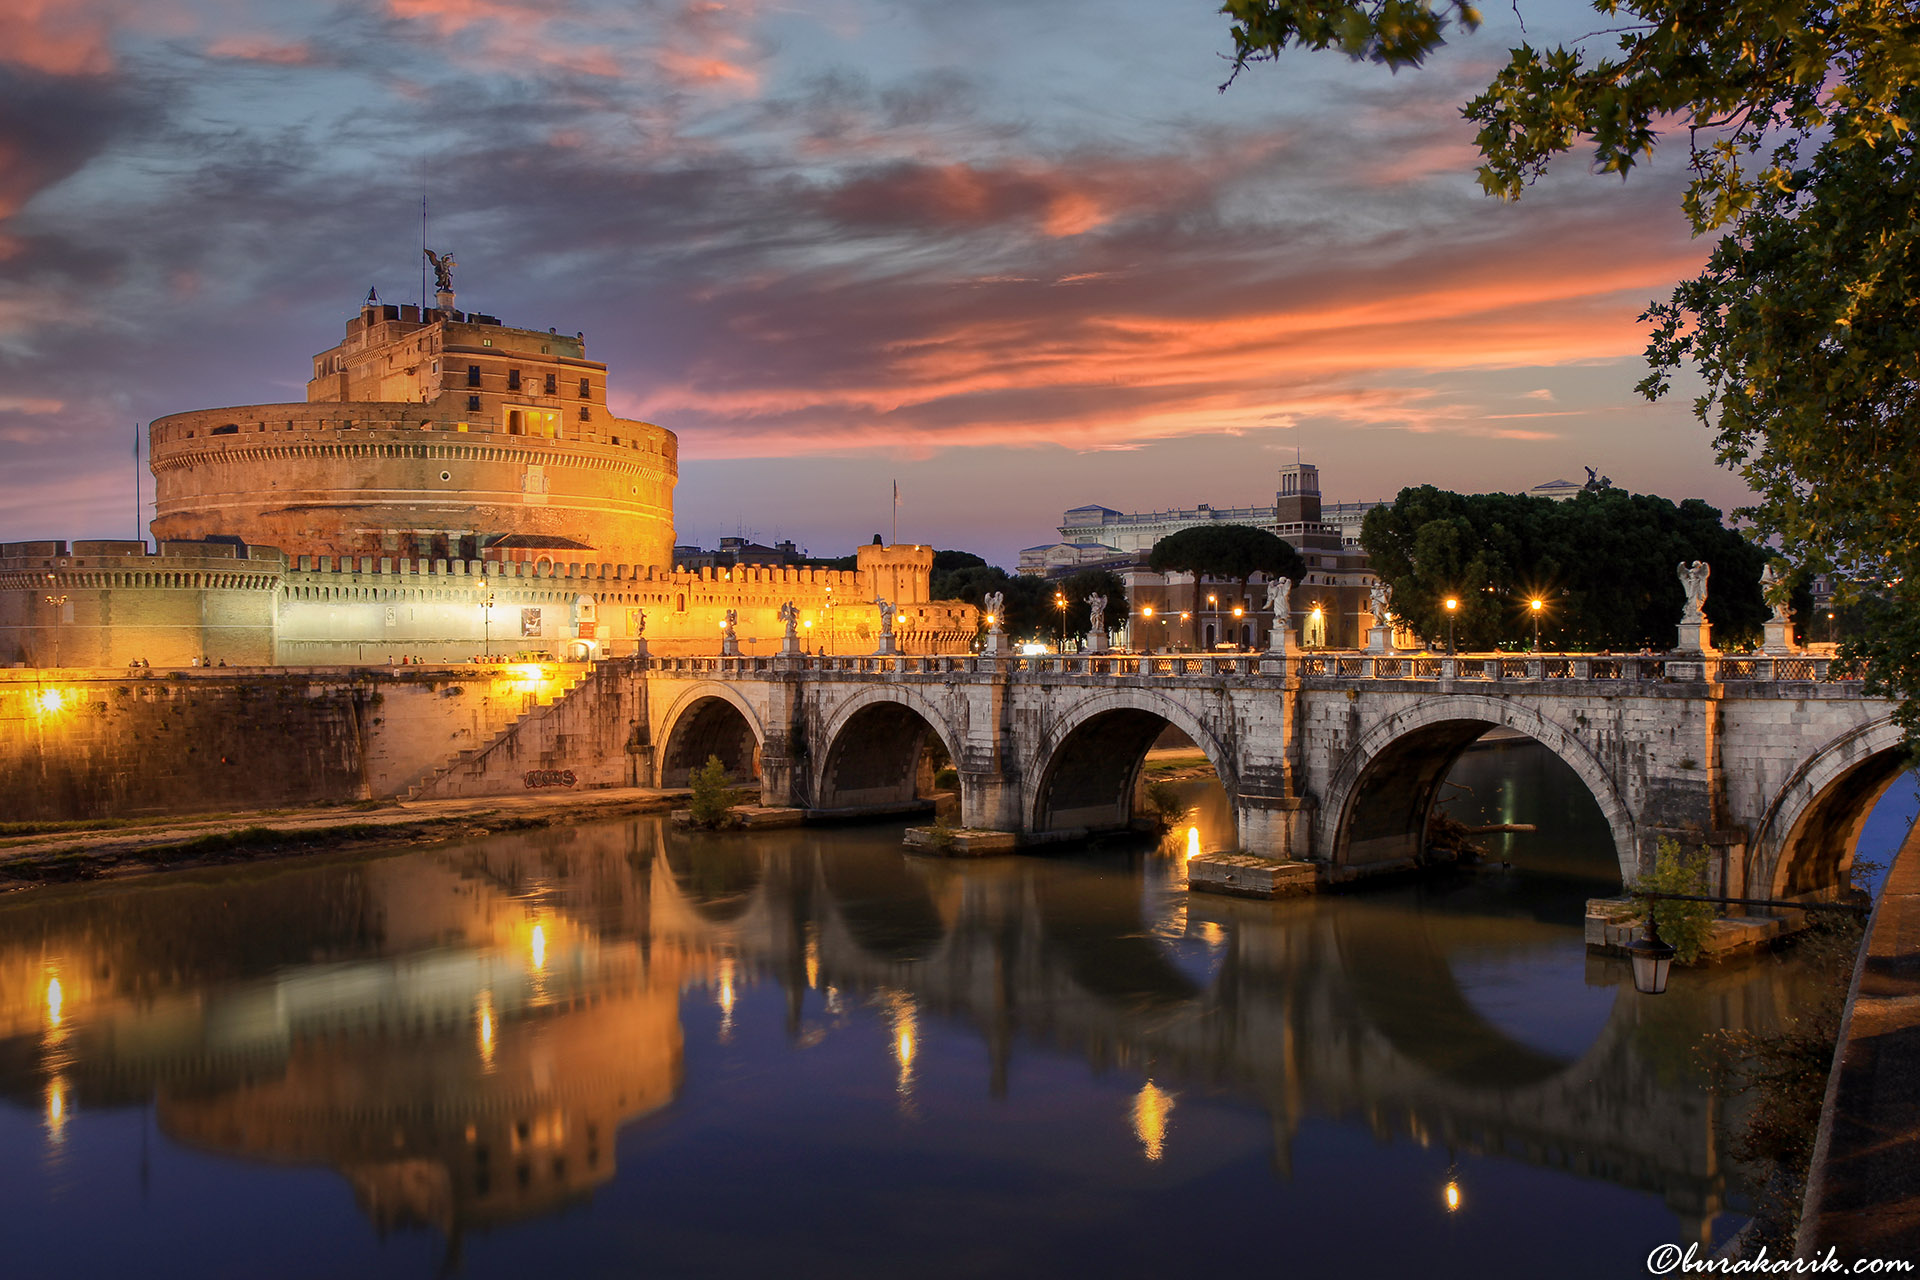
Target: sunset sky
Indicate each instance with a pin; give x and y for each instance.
(1017, 255)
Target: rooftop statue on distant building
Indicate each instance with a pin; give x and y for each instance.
(442, 270)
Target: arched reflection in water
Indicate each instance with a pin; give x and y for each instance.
(678, 1025)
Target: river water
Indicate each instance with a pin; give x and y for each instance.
(623, 1050)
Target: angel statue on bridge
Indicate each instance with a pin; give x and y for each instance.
(887, 610)
(1097, 613)
(1694, 578)
(993, 602)
(733, 617)
(790, 615)
(1280, 600)
(1380, 603)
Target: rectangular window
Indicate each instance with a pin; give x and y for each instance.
(473, 375)
(513, 379)
(586, 414)
(553, 384)
(473, 404)
(586, 388)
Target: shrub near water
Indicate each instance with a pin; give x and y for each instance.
(1686, 925)
(711, 804)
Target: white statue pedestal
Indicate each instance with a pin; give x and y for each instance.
(1779, 638)
(996, 643)
(1380, 640)
(1695, 637)
(640, 648)
(886, 644)
(1096, 642)
(790, 643)
(729, 645)
(1281, 640)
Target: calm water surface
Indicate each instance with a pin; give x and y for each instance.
(622, 1050)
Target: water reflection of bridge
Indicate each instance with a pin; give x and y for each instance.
(461, 1032)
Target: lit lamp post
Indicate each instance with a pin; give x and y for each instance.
(1146, 615)
(1319, 625)
(1238, 613)
(1060, 603)
(1213, 609)
(1534, 606)
(486, 618)
(1453, 606)
(1186, 617)
(60, 602)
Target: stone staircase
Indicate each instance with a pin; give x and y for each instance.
(541, 706)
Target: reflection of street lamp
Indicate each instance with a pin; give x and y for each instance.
(60, 602)
(1534, 606)
(1452, 606)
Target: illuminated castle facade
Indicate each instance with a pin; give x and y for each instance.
(449, 487)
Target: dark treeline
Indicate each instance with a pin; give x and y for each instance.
(1604, 563)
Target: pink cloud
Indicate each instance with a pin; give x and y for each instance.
(60, 37)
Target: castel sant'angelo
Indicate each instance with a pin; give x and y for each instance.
(450, 486)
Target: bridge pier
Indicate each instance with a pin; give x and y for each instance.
(1276, 826)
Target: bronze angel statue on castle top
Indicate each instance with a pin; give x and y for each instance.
(442, 270)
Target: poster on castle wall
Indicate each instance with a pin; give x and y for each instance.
(529, 622)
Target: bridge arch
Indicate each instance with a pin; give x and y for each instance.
(709, 719)
(871, 747)
(1384, 791)
(1087, 766)
(1805, 841)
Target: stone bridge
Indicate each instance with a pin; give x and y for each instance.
(1330, 757)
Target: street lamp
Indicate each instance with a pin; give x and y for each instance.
(1534, 606)
(1060, 603)
(1453, 606)
(1146, 614)
(1238, 613)
(486, 618)
(1652, 958)
(60, 602)
(1319, 625)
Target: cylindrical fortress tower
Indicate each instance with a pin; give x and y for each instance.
(441, 436)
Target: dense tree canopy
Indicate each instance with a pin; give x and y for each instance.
(1804, 322)
(1226, 551)
(1604, 564)
(1029, 611)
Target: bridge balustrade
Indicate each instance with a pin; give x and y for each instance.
(1315, 666)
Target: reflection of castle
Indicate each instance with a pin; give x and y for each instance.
(449, 484)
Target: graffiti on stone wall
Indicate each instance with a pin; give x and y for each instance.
(549, 778)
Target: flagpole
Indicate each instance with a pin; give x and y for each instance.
(136, 488)
(896, 513)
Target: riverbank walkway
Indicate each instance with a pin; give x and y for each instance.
(1863, 1193)
(405, 821)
